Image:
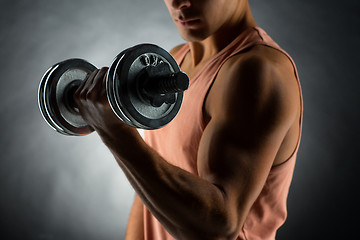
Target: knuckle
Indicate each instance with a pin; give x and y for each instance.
(82, 94)
(102, 72)
(104, 69)
(89, 95)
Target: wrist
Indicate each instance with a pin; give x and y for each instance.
(123, 141)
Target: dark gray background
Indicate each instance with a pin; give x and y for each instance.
(57, 187)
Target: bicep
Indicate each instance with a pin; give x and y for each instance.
(236, 163)
(249, 120)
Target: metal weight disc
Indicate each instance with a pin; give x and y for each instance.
(123, 93)
(52, 106)
(111, 90)
(41, 101)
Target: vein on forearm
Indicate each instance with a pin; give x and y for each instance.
(179, 199)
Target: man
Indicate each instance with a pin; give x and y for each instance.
(223, 167)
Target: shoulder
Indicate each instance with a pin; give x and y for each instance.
(259, 78)
(176, 49)
(262, 63)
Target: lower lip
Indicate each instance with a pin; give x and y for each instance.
(190, 23)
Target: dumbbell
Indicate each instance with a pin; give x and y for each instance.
(144, 87)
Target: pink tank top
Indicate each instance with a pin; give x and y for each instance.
(178, 143)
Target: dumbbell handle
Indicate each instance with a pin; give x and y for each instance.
(172, 83)
(157, 86)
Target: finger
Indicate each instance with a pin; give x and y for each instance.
(104, 81)
(98, 82)
(85, 85)
(98, 87)
(82, 84)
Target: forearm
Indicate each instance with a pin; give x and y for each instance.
(135, 228)
(186, 205)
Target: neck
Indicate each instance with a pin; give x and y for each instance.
(203, 50)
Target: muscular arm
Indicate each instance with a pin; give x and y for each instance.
(250, 112)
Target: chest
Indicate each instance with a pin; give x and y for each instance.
(191, 69)
(178, 142)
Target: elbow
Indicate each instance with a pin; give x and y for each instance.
(219, 220)
(219, 228)
(226, 231)
(226, 226)
(212, 235)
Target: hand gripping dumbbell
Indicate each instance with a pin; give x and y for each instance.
(144, 88)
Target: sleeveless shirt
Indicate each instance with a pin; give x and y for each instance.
(178, 143)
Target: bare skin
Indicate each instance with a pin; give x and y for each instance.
(238, 147)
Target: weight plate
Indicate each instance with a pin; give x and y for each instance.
(111, 92)
(41, 101)
(124, 87)
(51, 96)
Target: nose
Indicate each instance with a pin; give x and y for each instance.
(179, 4)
